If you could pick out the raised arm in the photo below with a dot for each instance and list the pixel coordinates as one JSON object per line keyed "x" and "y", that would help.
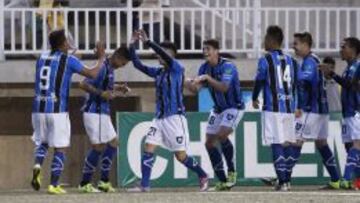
{"x": 325, "y": 68}
{"x": 160, "y": 51}
{"x": 91, "y": 72}
{"x": 88, "y": 86}
{"x": 150, "y": 71}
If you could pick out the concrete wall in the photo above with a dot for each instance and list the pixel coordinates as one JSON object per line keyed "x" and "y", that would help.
{"x": 22, "y": 71}
{"x": 16, "y": 162}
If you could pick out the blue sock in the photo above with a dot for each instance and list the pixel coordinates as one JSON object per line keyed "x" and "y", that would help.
{"x": 217, "y": 163}
{"x": 40, "y": 153}
{"x": 293, "y": 155}
{"x": 351, "y": 162}
{"x": 348, "y": 146}
{"x": 106, "y": 162}
{"x": 146, "y": 166}
{"x": 57, "y": 167}
{"x": 329, "y": 162}
{"x": 279, "y": 162}
{"x": 91, "y": 162}
{"x": 193, "y": 165}
{"x": 289, "y": 160}
{"x": 228, "y": 152}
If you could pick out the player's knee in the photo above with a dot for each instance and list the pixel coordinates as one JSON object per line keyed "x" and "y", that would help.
{"x": 98, "y": 147}
{"x": 224, "y": 133}
{"x": 210, "y": 143}
{"x": 114, "y": 143}
{"x": 180, "y": 156}
{"x": 320, "y": 143}
{"x": 356, "y": 144}
{"x": 62, "y": 150}
{"x": 298, "y": 143}
{"x": 149, "y": 148}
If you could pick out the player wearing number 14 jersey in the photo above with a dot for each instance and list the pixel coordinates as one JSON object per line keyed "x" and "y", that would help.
{"x": 50, "y": 117}
{"x": 277, "y": 77}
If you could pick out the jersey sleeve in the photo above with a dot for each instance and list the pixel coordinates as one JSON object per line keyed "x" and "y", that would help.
{"x": 202, "y": 71}
{"x": 75, "y": 64}
{"x": 261, "y": 69}
{"x": 148, "y": 70}
{"x": 176, "y": 67}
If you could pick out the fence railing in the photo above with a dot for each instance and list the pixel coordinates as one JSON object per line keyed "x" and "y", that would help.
{"x": 25, "y": 30}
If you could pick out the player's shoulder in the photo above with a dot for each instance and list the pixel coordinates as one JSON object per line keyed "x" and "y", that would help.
{"x": 226, "y": 63}
{"x": 313, "y": 58}
{"x": 72, "y": 57}
{"x": 203, "y": 67}
{"x": 178, "y": 64}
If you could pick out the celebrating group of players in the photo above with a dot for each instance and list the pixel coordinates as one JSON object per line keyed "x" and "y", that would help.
{"x": 295, "y": 109}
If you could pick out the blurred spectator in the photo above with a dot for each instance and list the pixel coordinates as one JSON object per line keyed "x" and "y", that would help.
{"x": 52, "y": 22}
{"x": 17, "y": 15}
{"x": 135, "y": 4}
{"x": 332, "y": 88}
{"x": 146, "y": 20}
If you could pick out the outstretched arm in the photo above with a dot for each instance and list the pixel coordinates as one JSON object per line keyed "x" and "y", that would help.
{"x": 150, "y": 71}
{"x": 93, "y": 71}
{"x": 87, "y": 86}
{"x": 325, "y": 68}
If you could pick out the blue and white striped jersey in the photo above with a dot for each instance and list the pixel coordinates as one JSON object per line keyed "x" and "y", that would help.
{"x": 277, "y": 76}
{"x": 168, "y": 82}
{"x": 350, "y": 94}
{"x": 52, "y": 81}
{"x": 312, "y": 86}
{"x": 226, "y": 72}
{"x": 103, "y": 81}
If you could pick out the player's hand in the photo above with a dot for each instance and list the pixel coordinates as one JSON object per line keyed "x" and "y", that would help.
{"x": 188, "y": 82}
{"x": 99, "y": 50}
{"x": 200, "y": 79}
{"x": 256, "y": 104}
{"x": 298, "y": 113}
{"x": 143, "y": 36}
{"x": 135, "y": 36}
{"x": 123, "y": 88}
{"x": 107, "y": 95}
{"x": 325, "y": 69}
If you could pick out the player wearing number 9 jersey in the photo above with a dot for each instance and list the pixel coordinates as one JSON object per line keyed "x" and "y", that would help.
{"x": 277, "y": 77}
{"x": 50, "y": 118}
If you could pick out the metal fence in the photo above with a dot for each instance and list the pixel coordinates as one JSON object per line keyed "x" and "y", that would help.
{"x": 239, "y": 29}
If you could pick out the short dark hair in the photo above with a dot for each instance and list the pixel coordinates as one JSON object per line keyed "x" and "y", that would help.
{"x": 169, "y": 45}
{"x": 304, "y": 37}
{"x": 57, "y": 39}
{"x": 213, "y": 43}
{"x": 275, "y": 33}
{"x": 329, "y": 60}
{"x": 353, "y": 43}
{"x": 122, "y": 51}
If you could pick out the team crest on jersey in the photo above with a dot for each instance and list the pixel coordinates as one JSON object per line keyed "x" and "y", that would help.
{"x": 229, "y": 117}
{"x": 298, "y": 126}
{"x": 179, "y": 140}
{"x": 228, "y": 71}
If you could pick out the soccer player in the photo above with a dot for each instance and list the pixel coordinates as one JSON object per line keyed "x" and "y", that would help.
{"x": 50, "y": 117}
{"x": 97, "y": 121}
{"x": 277, "y": 77}
{"x": 169, "y": 128}
{"x": 221, "y": 77}
{"x": 312, "y": 113}
{"x": 350, "y": 100}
